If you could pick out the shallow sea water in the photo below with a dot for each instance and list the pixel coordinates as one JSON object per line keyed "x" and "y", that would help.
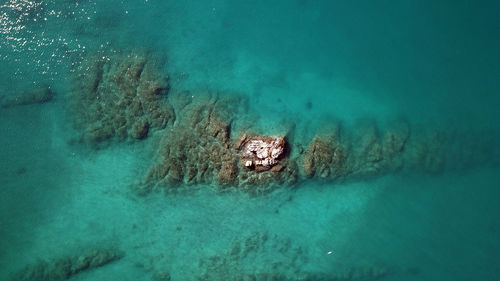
{"x": 301, "y": 62}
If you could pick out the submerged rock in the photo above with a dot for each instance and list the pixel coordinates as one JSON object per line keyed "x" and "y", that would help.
{"x": 140, "y": 129}
{"x": 199, "y": 149}
{"x": 33, "y": 96}
{"x": 120, "y": 96}
{"x": 65, "y": 267}
{"x": 324, "y": 157}
{"x": 124, "y": 96}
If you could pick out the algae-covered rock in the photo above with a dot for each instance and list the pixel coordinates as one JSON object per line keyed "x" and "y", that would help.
{"x": 365, "y": 150}
{"x": 32, "y": 96}
{"x": 140, "y": 129}
{"x": 324, "y": 157}
{"x": 64, "y": 267}
{"x": 120, "y": 96}
{"x": 394, "y": 142}
{"x": 228, "y": 174}
{"x": 197, "y": 148}
{"x": 428, "y": 152}
{"x": 200, "y": 149}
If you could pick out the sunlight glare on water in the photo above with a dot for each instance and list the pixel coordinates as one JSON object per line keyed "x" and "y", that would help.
{"x": 38, "y": 36}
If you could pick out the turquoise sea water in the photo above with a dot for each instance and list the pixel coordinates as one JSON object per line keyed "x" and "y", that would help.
{"x": 435, "y": 64}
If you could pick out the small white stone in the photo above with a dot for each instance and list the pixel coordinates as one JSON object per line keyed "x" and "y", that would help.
{"x": 248, "y": 163}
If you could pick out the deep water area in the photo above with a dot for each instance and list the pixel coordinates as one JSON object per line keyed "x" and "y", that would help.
{"x": 249, "y": 140}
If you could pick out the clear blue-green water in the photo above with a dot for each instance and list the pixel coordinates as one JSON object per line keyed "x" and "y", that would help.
{"x": 436, "y": 63}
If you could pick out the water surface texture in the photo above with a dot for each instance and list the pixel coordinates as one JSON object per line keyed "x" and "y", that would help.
{"x": 249, "y": 140}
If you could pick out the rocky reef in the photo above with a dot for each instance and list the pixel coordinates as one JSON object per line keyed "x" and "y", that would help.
{"x": 324, "y": 157}
{"x": 119, "y": 96}
{"x": 65, "y": 267}
{"x": 289, "y": 260}
{"x": 199, "y": 149}
{"x": 361, "y": 153}
{"x": 208, "y": 137}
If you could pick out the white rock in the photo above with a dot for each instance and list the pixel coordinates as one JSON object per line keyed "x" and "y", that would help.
{"x": 265, "y": 151}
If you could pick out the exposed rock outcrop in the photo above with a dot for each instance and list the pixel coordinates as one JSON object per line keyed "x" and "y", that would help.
{"x": 261, "y": 153}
